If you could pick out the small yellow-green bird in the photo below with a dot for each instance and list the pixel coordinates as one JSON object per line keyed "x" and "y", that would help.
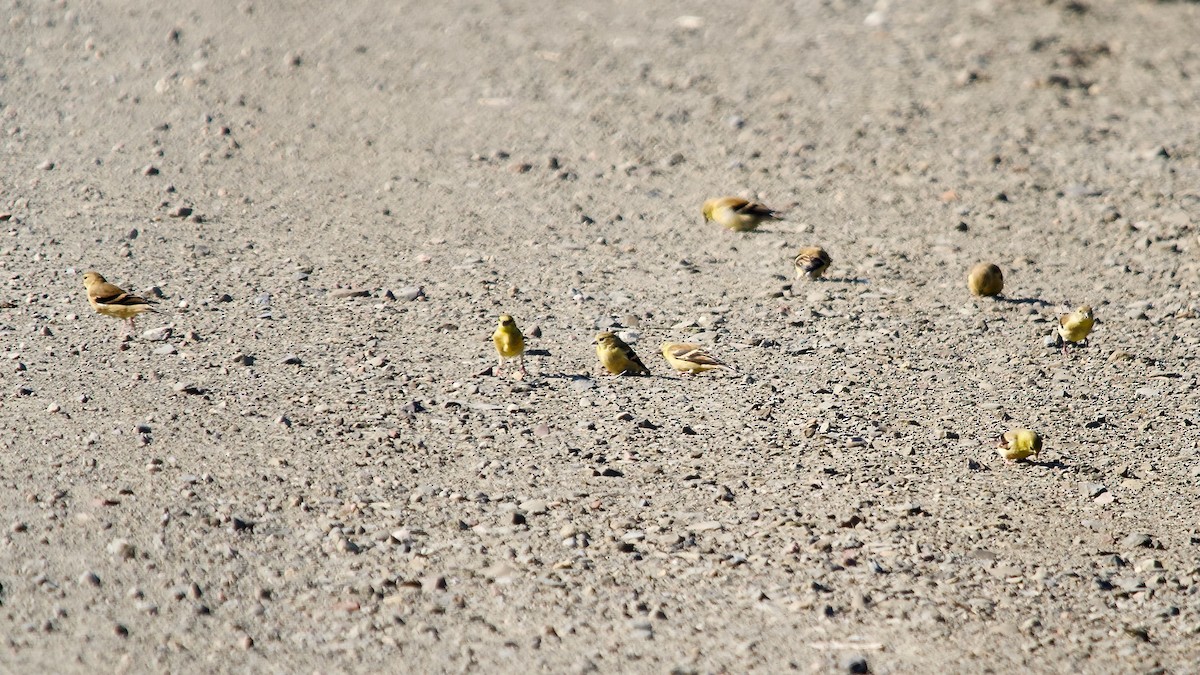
{"x": 690, "y": 358}
{"x": 985, "y": 279}
{"x": 617, "y": 357}
{"x": 738, "y": 214}
{"x": 1019, "y": 444}
{"x": 811, "y": 262}
{"x": 510, "y": 344}
{"x": 1074, "y": 327}
{"x": 110, "y": 300}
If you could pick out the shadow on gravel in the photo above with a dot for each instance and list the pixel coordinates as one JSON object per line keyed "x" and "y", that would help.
{"x": 1024, "y": 301}
{"x": 1052, "y": 464}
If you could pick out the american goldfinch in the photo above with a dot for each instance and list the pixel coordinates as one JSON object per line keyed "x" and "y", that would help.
{"x": 811, "y": 262}
{"x": 1019, "y": 444}
{"x": 737, "y": 214}
{"x": 985, "y": 279}
{"x": 510, "y": 344}
{"x": 1074, "y": 327}
{"x": 690, "y": 358}
{"x": 110, "y": 300}
{"x": 617, "y": 357}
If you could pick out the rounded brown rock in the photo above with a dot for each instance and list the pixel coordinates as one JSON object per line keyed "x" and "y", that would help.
{"x": 985, "y": 279}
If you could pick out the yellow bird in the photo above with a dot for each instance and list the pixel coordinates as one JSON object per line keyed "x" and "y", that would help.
{"x": 110, "y": 300}
{"x": 690, "y": 358}
{"x": 985, "y": 279}
{"x": 510, "y": 343}
{"x": 738, "y": 214}
{"x": 617, "y": 357}
{"x": 811, "y": 262}
{"x": 1075, "y": 327}
{"x": 1020, "y": 444}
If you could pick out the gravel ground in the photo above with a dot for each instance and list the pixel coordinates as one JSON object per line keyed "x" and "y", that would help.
{"x": 296, "y": 466}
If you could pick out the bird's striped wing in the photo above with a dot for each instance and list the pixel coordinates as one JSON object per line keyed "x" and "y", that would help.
{"x": 695, "y": 354}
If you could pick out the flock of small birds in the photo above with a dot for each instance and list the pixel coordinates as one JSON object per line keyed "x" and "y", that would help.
{"x": 618, "y": 358}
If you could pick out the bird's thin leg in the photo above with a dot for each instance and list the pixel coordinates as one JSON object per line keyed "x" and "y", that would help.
{"x": 499, "y": 365}
{"x": 521, "y": 362}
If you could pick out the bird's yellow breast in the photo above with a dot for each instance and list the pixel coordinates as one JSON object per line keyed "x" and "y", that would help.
{"x": 509, "y": 343}
{"x": 1075, "y": 328}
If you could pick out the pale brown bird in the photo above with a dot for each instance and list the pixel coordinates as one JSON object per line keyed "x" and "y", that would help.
{"x": 811, "y": 262}
{"x": 510, "y": 343}
{"x": 110, "y": 300}
{"x": 985, "y": 280}
{"x": 737, "y": 214}
{"x": 1019, "y": 444}
{"x": 1075, "y": 327}
{"x": 617, "y": 357}
{"x": 690, "y": 358}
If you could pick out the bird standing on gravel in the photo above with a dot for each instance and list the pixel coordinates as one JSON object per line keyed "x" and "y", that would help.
{"x": 690, "y": 358}
{"x": 737, "y": 214}
{"x": 110, "y": 300}
{"x": 1074, "y": 327}
{"x": 1019, "y": 444}
{"x": 510, "y": 343}
{"x": 617, "y": 357}
{"x": 811, "y": 262}
{"x": 985, "y": 280}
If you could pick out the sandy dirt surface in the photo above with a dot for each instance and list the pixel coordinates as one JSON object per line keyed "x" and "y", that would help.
{"x": 332, "y": 202}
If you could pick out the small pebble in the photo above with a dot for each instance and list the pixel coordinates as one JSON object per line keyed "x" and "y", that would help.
{"x": 121, "y": 549}
{"x": 410, "y": 293}
{"x": 1136, "y": 540}
{"x": 157, "y": 334}
{"x": 856, "y": 664}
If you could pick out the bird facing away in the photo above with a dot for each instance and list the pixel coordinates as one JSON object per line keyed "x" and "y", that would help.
{"x": 1074, "y": 327}
{"x": 811, "y": 262}
{"x": 985, "y": 280}
{"x": 617, "y": 357}
{"x": 737, "y": 214}
{"x": 510, "y": 344}
{"x": 110, "y": 300}
{"x": 690, "y": 358}
{"x": 1019, "y": 444}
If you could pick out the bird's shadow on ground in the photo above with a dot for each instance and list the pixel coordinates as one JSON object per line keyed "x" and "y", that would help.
{"x": 846, "y": 280}
{"x": 1022, "y": 301}
{"x": 1045, "y": 464}
{"x": 1052, "y": 464}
